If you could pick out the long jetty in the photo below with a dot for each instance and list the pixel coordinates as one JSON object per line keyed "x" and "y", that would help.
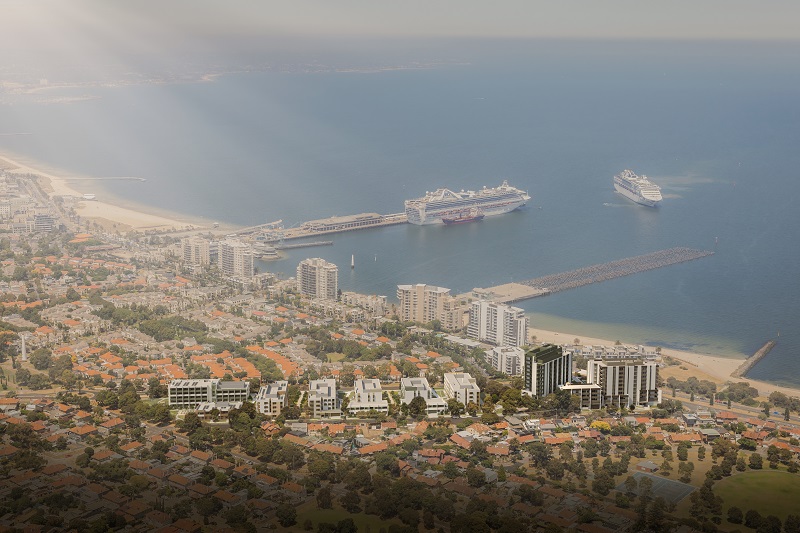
{"x": 523, "y": 290}
{"x": 745, "y": 367}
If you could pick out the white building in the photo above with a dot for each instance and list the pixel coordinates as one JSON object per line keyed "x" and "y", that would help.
{"x": 272, "y": 398}
{"x": 497, "y": 323}
{"x": 410, "y": 388}
{"x": 368, "y": 396}
{"x": 625, "y": 382}
{"x": 589, "y": 395}
{"x": 462, "y": 387}
{"x": 235, "y": 258}
{"x": 318, "y": 278}
{"x": 546, "y": 369}
{"x": 189, "y": 393}
{"x": 425, "y": 303}
{"x": 196, "y": 250}
{"x": 323, "y": 399}
{"x": 506, "y": 359}
{"x": 374, "y": 304}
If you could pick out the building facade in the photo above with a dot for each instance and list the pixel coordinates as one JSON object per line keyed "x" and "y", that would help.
{"x": 410, "y": 388}
{"x": 546, "y": 368}
{"x": 235, "y": 258}
{"x": 625, "y": 382}
{"x": 425, "y": 303}
{"x": 497, "y": 324}
{"x": 323, "y": 398}
{"x": 196, "y": 250}
{"x": 462, "y": 387}
{"x": 318, "y": 278}
{"x": 189, "y": 393}
{"x": 367, "y": 396}
{"x": 272, "y": 398}
{"x": 506, "y": 359}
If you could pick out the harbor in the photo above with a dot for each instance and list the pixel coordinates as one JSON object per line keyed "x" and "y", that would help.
{"x": 542, "y": 286}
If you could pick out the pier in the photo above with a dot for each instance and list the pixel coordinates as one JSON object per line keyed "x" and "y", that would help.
{"x": 745, "y": 367}
{"x": 523, "y": 290}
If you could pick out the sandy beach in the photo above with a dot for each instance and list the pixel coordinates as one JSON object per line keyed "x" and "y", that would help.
{"x": 702, "y": 366}
{"x": 110, "y": 214}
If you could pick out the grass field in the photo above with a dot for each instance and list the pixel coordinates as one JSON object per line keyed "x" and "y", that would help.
{"x": 768, "y": 492}
{"x": 364, "y": 522}
{"x": 335, "y": 357}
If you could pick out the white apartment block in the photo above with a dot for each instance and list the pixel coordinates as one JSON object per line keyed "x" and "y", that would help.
{"x": 367, "y": 396}
{"x": 546, "y": 368}
{"x": 506, "y": 359}
{"x": 189, "y": 393}
{"x": 589, "y": 395}
{"x": 374, "y": 304}
{"x": 625, "y": 382}
{"x": 318, "y": 278}
{"x": 196, "y": 250}
{"x": 498, "y": 324}
{"x": 410, "y": 388}
{"x": 425, "y": 303}
{"x": 323, "y": 399}
{"x": 235, "y": 258}
{"x": 272, "y": 398}
{"x": 462, "y": 387}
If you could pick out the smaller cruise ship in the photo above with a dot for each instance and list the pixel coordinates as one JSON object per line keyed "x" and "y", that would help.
{"x": 637, "y": 188}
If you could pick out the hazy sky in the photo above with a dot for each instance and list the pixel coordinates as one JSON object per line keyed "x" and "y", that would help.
{"x": 681, "y": 19}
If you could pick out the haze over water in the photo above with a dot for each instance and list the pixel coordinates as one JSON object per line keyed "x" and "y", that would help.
{"x": 716, "y": 125}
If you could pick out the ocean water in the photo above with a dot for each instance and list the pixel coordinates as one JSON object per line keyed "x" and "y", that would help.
{"x": 716, "y": 125}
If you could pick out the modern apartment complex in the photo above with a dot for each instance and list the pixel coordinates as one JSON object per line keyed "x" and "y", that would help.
{"x": 546, "y": 368}
{"x": 625, "y": 382}
{"x": 189, "y": 393}
{"x": 196, "y": 250}
{"x": 235, "y": 258}
{"x": 410, "y": 388}
{"x": 462, "y": 387}
{"x": 318, "y": 278}
{"x": 426, "y": 303}
{"x": 323, "y": 399}
{"x": 506, "y": 359}
{"x": 272, "y": 398}
{"x": 368, "y": 396}
{"x": 497, "y": 323}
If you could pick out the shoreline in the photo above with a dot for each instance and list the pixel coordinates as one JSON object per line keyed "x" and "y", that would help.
{"x": 716, "y": 368}
{"x": 109, "y": 214}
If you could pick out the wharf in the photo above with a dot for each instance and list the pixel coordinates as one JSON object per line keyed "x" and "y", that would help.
{"x": 523, "y": 290}
{"x": 302, "y": 245}
{"x": 745, "y": 367}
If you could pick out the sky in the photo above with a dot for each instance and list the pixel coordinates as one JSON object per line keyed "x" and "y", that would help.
{"x": 107, "y": 40}
{"x": 672, "y": 19}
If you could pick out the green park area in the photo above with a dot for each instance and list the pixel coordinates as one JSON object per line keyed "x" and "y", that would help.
{"x": 768, "y": 492}
{"x": 336, "y": 357}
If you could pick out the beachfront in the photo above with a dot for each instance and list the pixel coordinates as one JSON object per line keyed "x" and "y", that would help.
{"x": 105, "y": 213}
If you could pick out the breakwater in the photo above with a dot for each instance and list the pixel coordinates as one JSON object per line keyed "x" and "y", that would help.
{"x": 745, "y": 367}
{"x": 614, "y": 269}
{"x": 542, "y": 286}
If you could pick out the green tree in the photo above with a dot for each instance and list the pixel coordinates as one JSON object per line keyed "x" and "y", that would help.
{"x": 286, "y": 515}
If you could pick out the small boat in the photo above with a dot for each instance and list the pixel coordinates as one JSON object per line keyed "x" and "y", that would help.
{"x": 89, "y": 196}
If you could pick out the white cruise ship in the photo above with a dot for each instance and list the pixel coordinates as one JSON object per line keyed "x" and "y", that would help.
{"x": 637, "y": 188}
{"x": 435, "y": 207}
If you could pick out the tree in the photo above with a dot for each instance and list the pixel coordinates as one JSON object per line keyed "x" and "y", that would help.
{"x": 792, "y": 524}
{"x": 735, "y": 515}
{"x": 455, "y": 407}
{"x": 286, "y": 514}
{"x": 756, "y": 461}
{"x": 752, "y": 519}
{"x": 351, "y": 501}
{"x": 418, "y": 407}
{"x": 324, "y": 500}
{"x": 41, "y": 359}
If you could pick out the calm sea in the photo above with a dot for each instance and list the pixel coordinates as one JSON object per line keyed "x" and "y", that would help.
{"x": 716, "y": 125}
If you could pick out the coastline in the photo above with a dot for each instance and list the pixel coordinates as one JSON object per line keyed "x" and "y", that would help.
{"x": 718, "y": 369}
{"x": 106, "y": 213}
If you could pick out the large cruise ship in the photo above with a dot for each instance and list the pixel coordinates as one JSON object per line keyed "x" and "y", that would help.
{"x": 445, "y": 205}
{"x": 637, "y": 188}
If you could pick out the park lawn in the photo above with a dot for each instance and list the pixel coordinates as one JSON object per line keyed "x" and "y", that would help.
{"x": 334, "y": 357}
{"x": 769, "y": 492}
{"x": 364, "y": 522}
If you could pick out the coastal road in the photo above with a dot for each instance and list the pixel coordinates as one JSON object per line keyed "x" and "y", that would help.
{"x": 794, "y": 419}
